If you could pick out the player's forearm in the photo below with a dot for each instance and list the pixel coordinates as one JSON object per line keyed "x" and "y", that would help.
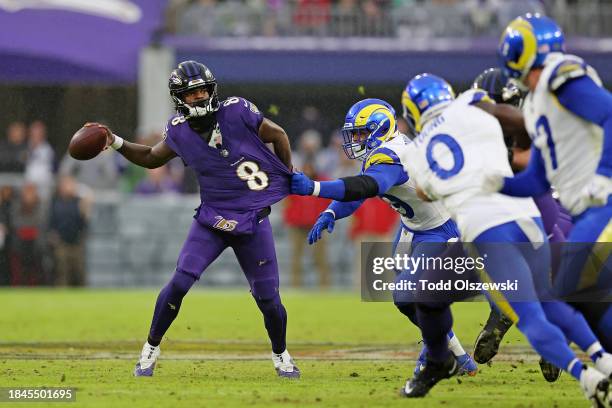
{"x": 270, "y": 132}
{"x": 141, "y": 155}
{"x": 376, "y": 180}
{"x": 344, "y": 209}
{"x": 347, "y": 189}
{"x": 520, "y": 158}
{"x": 282, "y": 149}
{"x": 511, "y": 121}
{"x": 530, "y": 182}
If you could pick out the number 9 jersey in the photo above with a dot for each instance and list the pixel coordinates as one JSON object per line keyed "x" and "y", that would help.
{"x": 237, "y": 173}
{"x": 453, "y": 153}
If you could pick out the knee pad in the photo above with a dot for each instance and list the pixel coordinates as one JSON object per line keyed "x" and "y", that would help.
{"x": 181, "y": 282}
{"x": 265, "y": 289}
{"x": 408, "y": 310}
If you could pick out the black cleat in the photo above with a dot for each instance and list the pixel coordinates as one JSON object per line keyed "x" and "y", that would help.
{"x": 490, "y": 337}
{"x": 550, "y": 372}
{"x": 430, "y": 375}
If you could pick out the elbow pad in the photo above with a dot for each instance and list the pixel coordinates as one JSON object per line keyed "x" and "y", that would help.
{"x": 359, "y": 187}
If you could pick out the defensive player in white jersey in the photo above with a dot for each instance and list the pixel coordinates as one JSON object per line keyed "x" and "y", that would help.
{"x": 370, "y": 134}
{"x": 568, "y": 115}
{"x": 457, "y": 140}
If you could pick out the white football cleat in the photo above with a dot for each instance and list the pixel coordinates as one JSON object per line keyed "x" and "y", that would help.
{"x": 604, "y": 365}
{"x": 596, "y": 387}
{"x": 146, "y": 364}
{"x": 284, "y": 365}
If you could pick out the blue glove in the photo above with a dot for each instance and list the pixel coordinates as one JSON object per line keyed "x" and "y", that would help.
{"x": 301, "y": 184}
{"x": 325, "y": 220}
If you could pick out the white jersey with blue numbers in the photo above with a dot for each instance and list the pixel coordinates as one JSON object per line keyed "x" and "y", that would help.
{"x": 449, "y": 159}
{"x": 416, "y": 214}
{"x": 571, "y": 146}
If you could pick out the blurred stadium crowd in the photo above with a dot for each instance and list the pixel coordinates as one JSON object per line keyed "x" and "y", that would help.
{"x": 47, "y": 198}
{"x": 377, "y": 18}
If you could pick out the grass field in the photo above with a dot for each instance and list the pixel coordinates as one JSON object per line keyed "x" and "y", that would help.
{"x": 217, "y": 354}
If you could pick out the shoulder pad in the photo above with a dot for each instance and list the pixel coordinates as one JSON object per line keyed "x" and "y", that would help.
{"x": 473, "y": 96}
{"x": 175, "y": 120}
{"x": 240, "y": 103}
{"x": 382, "y": 155}
{"x": 564, "y": 71}
{"x": 479, "y": 95}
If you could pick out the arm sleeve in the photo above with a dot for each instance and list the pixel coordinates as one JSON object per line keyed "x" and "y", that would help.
{"x": 377, "y": 179}
{"x": 529, "y": 182}
{"x": 583, "y": 97}
{"x": 344, "y": 209}
{"x": 387, "y": 176}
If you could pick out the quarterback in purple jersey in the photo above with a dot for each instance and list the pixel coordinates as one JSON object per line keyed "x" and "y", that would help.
{"x": 239, "y": 178}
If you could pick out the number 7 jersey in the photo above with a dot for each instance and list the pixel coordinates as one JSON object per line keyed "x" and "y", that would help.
{"x": 571, "y": 146}
{"x": 237, "y": 173}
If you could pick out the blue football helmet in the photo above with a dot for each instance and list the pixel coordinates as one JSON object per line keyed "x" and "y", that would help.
{"x": 367, "y": 125}
{"x": 424, "y": 95}
{"x": 525, "y": 44}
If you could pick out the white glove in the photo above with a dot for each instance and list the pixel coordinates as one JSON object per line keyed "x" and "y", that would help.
{"x": 492, "y": 182}
{"x": 597, "y": 191}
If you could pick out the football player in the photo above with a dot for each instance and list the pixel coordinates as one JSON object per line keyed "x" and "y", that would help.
{"x": 501, "y": 90}
{"x": 568, "y": 115}
{"x": 370, "y": 134}
{"x": 239, "y": 178}
{"x": 447, "y": 162}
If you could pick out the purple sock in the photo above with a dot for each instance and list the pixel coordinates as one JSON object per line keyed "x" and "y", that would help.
{"x": 549, "y": 209}
{"x": 168, "y": 305}
{"x": 275, "y": 320}
{"x": 435, "y": 323}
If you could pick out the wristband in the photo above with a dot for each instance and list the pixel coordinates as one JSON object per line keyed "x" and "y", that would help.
{"x": 332, "y": 212}
{"x": 317, "y": 189}
{"x": 117, "y": 142}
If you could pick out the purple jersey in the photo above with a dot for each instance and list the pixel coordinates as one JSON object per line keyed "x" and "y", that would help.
{"x": 238, "y": 175}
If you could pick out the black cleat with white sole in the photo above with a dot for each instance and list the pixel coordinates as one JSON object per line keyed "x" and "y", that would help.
{"x": 430, "y": 375}
{"x": 550, "y": 371}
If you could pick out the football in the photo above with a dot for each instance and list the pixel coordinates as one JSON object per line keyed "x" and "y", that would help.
{"x": 87, "y": 142}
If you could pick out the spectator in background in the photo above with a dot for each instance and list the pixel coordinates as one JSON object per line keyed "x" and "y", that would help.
{"x": 172, "y": 15}
{"x": 301, "y": 212}
{"x": 311, "y": 16}
{"x": 376, "y": 21}
{"x": 309, "y": 145}
{"x": 39, "y": 166}
{"x": 328, "y": 160}
{"x": 100, "y": 173}
{"x": 374, "y": 221}
{"x": 26, "y": 252}
{"x": 6, "y": 199}
{"x": 200, "y": 18}
{"x": 157, "y": 181}
{"x": 346, "y": 16}
{"x": 132, "y": 174}
{"x": 67, "y": 232}
{"x": 14, "y": 150}
{"x": 508, "y": 10}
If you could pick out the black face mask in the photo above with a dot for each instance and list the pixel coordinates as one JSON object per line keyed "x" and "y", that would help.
{"x": 203, "y": 125}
